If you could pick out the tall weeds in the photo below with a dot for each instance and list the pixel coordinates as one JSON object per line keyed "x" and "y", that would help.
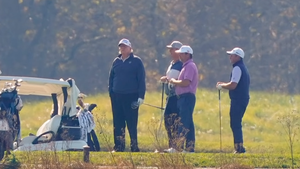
{"x": 290, "y": 123}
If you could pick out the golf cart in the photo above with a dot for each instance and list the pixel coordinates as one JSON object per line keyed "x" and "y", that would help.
{"x": 62, "y": 131}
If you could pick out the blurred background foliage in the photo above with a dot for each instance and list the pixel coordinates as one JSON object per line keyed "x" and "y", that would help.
{"x": 78, "y": 38}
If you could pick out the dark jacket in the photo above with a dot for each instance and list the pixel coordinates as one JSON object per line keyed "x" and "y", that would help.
{"x": 242, "y": 89}
{"x": 127, "y": 77}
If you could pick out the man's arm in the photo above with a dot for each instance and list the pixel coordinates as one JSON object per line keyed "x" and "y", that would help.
{"x": 235, "y": 78}
{"x": 188, "y": 75}
{"x": 110, "y": 80}
{"x": 141, "y": 76}
{"x": 181, "y": 83}
{"x": 228, "y": 86}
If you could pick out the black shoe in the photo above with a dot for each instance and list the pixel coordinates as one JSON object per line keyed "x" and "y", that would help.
{"x": 135, "y": 149}
{"x": 240, "y": 150}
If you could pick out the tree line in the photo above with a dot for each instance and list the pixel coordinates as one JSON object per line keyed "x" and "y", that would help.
{"x": 78, "y": 39}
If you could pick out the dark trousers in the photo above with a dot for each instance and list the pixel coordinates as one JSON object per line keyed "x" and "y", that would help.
{"x": 124, "y": 115}
{"x": 186, "y": 129}
{"x": 93, "y": 142}
{"x": 237, "y": 110}
{"x": 171, "y": 118}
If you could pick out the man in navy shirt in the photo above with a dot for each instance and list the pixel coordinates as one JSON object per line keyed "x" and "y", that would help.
{"x": 171, "y": 111}
{"x": 126, "y": 85}
{"x": 239, "y": 95}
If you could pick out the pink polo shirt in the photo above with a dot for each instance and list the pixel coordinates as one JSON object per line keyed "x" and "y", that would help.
{"x": 189, "y": 71}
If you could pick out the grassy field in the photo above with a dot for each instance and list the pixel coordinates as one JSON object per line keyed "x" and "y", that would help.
{"x": 264, "y": 133}
{"x": 75, "y": 160}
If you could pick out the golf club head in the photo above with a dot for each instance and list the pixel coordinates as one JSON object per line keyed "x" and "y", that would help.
{"x": 91, "y": 107}
{"x": 18, "y": 82}
{"x": 134, "y": 105}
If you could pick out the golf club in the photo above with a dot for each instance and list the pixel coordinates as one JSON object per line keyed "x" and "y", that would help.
{"x": 161, "y": 108}
{"x": 134, "y": 105}
{"x": 162, "y": 104}
{"x": 220, "y": 119}
{"x": 162, "y": 114}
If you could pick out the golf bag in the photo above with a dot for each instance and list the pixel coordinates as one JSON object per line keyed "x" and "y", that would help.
{"x": 10, "y": 105}
{"x": 92, "y": 137}
{"x": 87, "y": 121}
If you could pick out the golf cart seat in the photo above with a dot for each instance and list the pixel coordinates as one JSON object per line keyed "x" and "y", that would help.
{"x": 46, "y": 132}
{"x": 62, "y": 127}
{"x": 69, "y": 129}
{"x": 50, "y": 125}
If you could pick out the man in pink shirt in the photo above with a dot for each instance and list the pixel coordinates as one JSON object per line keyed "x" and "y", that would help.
{"x": 185, "y": 88}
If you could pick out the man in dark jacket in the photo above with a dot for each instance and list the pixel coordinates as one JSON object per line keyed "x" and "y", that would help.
{"x": 239, "y": 95}
{"x": 126, "y": 85}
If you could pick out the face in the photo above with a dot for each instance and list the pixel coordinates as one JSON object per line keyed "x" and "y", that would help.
{"x": 184, "y": 57}
{"x": 175, "y": 56}
{"x": 234, "y": 58}
{"x": 124, "y": 49}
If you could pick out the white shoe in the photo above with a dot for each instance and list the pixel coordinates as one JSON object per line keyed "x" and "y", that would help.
{"x": 156, "y": 151}
{"x": 171, "y": 150}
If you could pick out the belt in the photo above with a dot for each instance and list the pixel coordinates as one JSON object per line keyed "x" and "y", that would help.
{"x": 183, "y": 95}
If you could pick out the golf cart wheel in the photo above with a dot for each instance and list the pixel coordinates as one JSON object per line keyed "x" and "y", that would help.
{"x": 2, "y": 149}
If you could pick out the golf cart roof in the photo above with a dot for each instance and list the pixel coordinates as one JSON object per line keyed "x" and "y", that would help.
{"x": 36, "y": 86}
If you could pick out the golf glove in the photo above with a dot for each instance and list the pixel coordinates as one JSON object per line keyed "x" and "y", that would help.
{"x": 219, "y": 87}
{"x": 140, "y": 101}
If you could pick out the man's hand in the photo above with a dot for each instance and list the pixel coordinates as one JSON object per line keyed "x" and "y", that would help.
{"x": 219, "y": 85}
{"x": 140, "y": 101}
{"x": 172, "y": 81}
{"x": 164, "y": 79}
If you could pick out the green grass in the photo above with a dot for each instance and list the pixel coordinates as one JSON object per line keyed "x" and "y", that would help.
{"x": 264, "y": 136}
{"x": 62, "y": 159}
{"x": 260, "y": 124}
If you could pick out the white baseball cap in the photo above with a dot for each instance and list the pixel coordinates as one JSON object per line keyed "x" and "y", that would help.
{"x": 236, "y": 51}
{"x": 185, "y": 49}
{"x": 125, "y": 42}
{"x": 175, "y": 44}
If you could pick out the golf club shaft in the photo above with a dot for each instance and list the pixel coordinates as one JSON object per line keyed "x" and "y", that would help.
{"x": 220, "y": 119}
{"x": 161, "y": 108}
{"x": 162, "y": 94}
{"x": 162, "y": 104}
